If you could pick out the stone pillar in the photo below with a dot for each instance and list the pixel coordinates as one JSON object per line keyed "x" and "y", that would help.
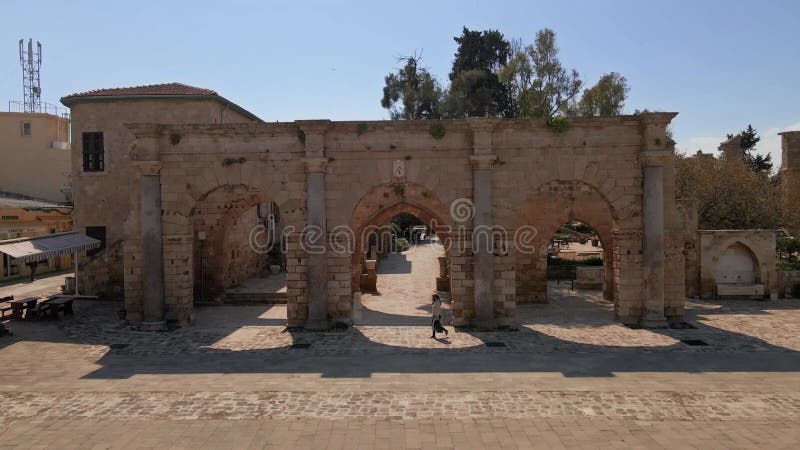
{"x": 315, "y": 237}
{"x": 153, "y": 299}
{"x": 482, "y": 241}
{"x": 790, "y": 178}
{"x": 653, "y": 238}
{"x": 482, "y": 162}
{"x": 316, "y": 242}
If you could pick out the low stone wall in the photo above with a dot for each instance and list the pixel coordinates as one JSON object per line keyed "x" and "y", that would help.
{"x": 589, "y": 277}
{"x": 789, "y": 284}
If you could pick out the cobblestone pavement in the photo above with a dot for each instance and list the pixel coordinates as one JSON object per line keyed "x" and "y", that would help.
{"x": 394, "y": 434}
{"x": 569, "y": 377}
{"x": 404, "y": 406}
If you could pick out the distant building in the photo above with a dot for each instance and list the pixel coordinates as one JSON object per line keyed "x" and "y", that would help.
{"x": 35, "y": 155}
{"x": 22, "y": 217}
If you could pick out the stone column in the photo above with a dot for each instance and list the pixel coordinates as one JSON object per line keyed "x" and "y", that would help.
{"x": 653, "y": 237}
{"x": 482, "y": 240}
{"x": 482, "y": 162}
{"x": 153, "y": 299}
{"x": 315, "y": 237}
{"x": 316, "y": 242}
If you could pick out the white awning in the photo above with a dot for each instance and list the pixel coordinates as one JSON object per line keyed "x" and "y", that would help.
{"x": 41, "y": 248}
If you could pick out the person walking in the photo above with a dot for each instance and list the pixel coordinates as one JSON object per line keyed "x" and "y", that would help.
{"x": 437, "y": 326}
{"x": 436, "y": 312}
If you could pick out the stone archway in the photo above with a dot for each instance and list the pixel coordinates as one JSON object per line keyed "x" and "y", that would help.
{"x": 385, "y": 201}
{"x": 551, "y": 206}
{"x": 224, "y": 217}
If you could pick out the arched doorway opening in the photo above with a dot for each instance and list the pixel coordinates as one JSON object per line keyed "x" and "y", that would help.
{"x": 399, "y": 271}
{"x": 576, "y": 265}
{"x": 400, "y": 257}
{"x": 238, "y": 256}
{"x": 564, "y": 213}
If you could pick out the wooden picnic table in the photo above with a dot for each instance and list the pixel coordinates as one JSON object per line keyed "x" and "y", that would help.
{"x": 53, "y": 305}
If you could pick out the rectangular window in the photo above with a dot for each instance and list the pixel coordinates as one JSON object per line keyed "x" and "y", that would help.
{"x": 26, "y": 128}
{"x": 98, "y": 233}
{"x": 93, "y": 152}
{"x": 9, "y": 217}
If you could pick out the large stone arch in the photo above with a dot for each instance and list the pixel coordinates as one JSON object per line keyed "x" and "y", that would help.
{"x": 381, "y": 203}
{"x": 226, "y": 259}
{"x": 548, "y": 208}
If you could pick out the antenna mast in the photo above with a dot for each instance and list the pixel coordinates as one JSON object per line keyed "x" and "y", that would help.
{"x": 31, "y": 60}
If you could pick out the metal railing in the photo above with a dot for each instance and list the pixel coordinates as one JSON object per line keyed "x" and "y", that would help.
{"x": 44, "y": 108}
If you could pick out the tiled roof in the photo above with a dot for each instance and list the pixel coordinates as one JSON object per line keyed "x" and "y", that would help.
{"x": 153, "y": 89}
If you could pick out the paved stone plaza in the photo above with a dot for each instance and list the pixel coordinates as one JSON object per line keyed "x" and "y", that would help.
{"x": 569, "y": 377}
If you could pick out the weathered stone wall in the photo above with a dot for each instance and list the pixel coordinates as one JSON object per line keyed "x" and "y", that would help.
{"x": 790, "y": 178}
{"x": 687, "y": 209}
{"x": 110, "y": 197}
{"x": 761, "y": 245}
{"x": 788, "y": 283}
{"x": 212, "y": 175}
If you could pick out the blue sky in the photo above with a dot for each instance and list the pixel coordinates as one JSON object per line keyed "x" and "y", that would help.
{"x": 720, "y": 64}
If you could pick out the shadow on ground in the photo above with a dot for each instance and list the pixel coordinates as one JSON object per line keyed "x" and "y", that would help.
{"x": 400, "y": 344}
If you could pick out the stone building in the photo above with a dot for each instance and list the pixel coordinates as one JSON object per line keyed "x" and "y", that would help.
{"x": 181, "y": 168}
{"x": 34, "y": 150}
{"x": 104, "y": 177}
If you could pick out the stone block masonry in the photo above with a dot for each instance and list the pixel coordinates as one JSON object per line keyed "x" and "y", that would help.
{"x": 335, "y": 182}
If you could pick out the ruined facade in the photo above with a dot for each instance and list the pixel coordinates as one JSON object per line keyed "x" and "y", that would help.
{"x": 178, "y": 180}
{"x": 790, "y": 177}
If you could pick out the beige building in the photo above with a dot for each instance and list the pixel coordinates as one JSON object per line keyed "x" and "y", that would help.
{"x": 171, "y": 173}
{"x": 103, "y": 174}
{"x": 35, "y": 155}
{"x": 23, "y": 217}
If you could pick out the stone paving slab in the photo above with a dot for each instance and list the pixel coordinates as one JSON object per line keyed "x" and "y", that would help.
{"x": 770, "y": 328}
{"x": 659, "y": 405}
{"x": 568, "y": 377}
{"x": 588, "y": 433}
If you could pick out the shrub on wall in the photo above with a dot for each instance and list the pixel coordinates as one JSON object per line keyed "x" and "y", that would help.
{"x": 558, "y": 124}
{"x": 437, "y": 131}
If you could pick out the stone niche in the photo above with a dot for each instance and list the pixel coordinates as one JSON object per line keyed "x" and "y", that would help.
{"x": 737, "y": 263}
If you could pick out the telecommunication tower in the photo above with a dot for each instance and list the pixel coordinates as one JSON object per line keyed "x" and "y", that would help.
{"x": 31, "y": 59}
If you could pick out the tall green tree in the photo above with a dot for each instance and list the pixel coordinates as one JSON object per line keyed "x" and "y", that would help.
{"x": 540, "y": 86}
{"x": 756, "y": 163}
{"x": 475, "y": 89}
{"x": 606, "y": 98}
{"x": 412, "y": 92}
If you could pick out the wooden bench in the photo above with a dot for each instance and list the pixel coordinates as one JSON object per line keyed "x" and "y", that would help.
{"x": 24, "y": 304}
{"x": 53, "y": 305}
{"x": 6, "y": 308}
